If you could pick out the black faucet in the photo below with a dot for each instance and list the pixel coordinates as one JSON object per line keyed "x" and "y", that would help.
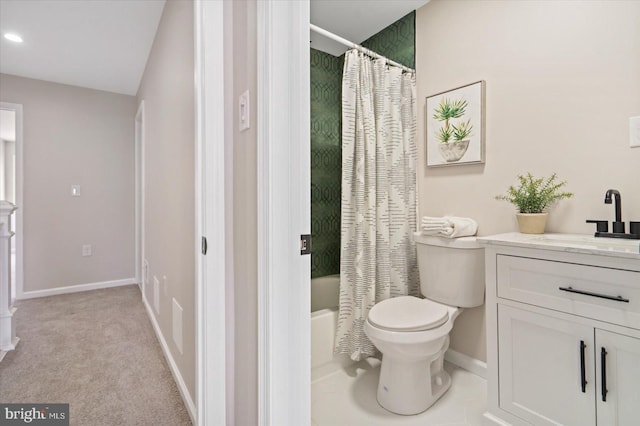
{"x": 602, "y": 226}
{"x": 607, "y": 200}
{"x": 618, "y": 225}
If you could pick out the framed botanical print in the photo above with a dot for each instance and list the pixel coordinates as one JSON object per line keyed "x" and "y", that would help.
{"x": 455, "y": 126}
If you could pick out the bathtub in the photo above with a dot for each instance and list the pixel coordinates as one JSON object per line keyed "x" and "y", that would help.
{"x": 325, "y": 293}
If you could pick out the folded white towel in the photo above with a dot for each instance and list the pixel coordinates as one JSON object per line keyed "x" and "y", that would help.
{"x": 440, "y": 221}
{"x": 449, "y": 226}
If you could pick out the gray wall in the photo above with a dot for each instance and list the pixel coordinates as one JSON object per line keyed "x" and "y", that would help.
{"x": 563, "y": 78}
{"x": 245, "y": 207}
{"x": 167, "y": 89}
{"x": 75, "y": 136}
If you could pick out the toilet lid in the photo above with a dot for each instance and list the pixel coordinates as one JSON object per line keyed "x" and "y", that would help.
{"x": 408, "y": 313}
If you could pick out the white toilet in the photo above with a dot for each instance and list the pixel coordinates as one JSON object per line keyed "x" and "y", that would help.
{"x": 413, "y": 333}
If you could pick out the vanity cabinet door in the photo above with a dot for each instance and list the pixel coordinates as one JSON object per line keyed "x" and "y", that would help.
{"x": 546, "y": 368}
{"x": 618, "y": 379}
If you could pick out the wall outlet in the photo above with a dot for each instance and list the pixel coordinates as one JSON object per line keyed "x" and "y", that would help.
{"x": 87, "y": 250}
{"x": 156, "y": 294}
{"x": 75, "y": 190}
{"x": 634, "y": 132}
{"x": 177, "y": 324}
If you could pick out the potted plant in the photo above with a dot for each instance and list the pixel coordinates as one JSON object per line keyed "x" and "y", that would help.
{"x": 453, "y": 137}
{"x": 532, "y": 197}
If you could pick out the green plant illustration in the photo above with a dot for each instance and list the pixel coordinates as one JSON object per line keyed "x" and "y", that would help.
{"x": 446, "y": 111}
{"x": 534, "y": 195}
{"x": 444, "y": 134}
{"x": 462, "y": 130}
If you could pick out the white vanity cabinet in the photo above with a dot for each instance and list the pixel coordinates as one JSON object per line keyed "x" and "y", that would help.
{"x": 563, "y": 330}
{"x": 620, "y": 405}
{"x": 541, "y": 366}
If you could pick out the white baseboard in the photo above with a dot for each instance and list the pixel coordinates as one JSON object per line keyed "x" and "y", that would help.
{"x": 74, "y": 288}
{"x": 491, "y": 420}
{"x": 475, "y": 366}
{"x": 182, "y": 387}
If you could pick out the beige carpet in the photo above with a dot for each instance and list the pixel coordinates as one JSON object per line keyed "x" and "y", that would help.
{"x": 97, "y": 351}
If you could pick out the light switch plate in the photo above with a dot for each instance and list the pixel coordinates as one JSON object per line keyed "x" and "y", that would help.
{"x": 75, "y": 190}
{"x": 634, "y": 132}
{"x": 244, "y": 108}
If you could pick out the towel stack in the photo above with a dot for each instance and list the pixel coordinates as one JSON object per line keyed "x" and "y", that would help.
{"x": 449, "y": 226}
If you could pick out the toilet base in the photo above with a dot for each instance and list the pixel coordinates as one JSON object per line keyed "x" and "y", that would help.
{"x": 411, "y": 387}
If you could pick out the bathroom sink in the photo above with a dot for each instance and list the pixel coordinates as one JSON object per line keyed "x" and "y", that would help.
{"x": 588, "y": 240}
{"x": 570, "y": 243}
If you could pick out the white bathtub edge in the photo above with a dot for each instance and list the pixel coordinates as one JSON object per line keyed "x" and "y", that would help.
{"x": 323, "y": 333}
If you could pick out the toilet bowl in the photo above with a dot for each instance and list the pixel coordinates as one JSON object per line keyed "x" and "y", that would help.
{"x": 413, "y": 333}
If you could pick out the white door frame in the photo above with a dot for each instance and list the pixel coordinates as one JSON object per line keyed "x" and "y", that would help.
{"x": 19, "y": 214}
{"x": 212, "y": 175}
{"x": 141, "y": 276}
{"x": 283, "y": 213}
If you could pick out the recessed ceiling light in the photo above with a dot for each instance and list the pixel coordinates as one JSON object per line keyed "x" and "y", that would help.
{"x": 13, "y": 37}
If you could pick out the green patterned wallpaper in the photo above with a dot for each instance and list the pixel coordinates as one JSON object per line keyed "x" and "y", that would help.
{"x": 396, "y": 42}
{"x": 326, "y": 162}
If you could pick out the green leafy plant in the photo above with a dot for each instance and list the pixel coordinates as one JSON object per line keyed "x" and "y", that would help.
{"x": 446, "y": 111}
{"x": 450, "y": 109}
{"x": 462, "y": 130}
{"x": 534, "y": 195}
{"x": 444, "y": 134}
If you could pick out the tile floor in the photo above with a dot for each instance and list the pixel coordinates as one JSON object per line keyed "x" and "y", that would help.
{"x": 348, "y": 398}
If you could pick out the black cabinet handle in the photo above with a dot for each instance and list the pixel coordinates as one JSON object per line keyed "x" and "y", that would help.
{"x": 603, "y": 373}
{"x": 600, "y": 295}
{"x": 583, "y": 380}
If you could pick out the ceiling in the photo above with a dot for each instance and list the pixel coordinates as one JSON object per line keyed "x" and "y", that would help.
{"x": 355, "y": 20}
{"x": 99, "y": 44}
{"x": 104, "y": 44}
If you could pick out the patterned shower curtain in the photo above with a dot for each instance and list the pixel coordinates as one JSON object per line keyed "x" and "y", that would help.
{"x": 378, "y": 256}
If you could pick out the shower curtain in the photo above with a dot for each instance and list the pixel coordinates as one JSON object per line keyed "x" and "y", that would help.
{"x": 378, "y": 256}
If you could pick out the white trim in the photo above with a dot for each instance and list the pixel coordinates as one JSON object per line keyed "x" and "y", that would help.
{"x": 19, "y": 214}
{"x": 491, "y": 419}
{"x": 229, "y": 129}
{"x": 284, "y": 314}
{"x": 472, "y": 365}
{"x": 139, "y": 194}
{"x": 76, "y": 288}
{"x": 175, "y": 372}
{"x": 211, "y": 176}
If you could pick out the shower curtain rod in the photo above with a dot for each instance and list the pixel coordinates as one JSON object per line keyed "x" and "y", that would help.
{"x": 362, "y": 49}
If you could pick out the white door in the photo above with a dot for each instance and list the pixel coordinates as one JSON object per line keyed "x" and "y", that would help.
{"x": 618, "y": 379}
{"x": 546, "y": 368}
{"x": 284, "y": 204}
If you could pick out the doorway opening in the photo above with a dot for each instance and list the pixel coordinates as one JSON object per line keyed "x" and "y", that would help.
{"x": 11, "y": 161}
{"x": 141, "y": 265}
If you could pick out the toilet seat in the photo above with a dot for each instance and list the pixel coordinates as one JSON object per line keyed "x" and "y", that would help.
{"x": 408, "y": 313}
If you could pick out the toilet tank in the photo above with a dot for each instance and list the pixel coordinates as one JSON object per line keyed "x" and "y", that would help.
{"x": 451, "y": 270}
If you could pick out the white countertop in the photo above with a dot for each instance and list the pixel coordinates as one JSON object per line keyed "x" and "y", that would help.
{"x": 573, "y": 243}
